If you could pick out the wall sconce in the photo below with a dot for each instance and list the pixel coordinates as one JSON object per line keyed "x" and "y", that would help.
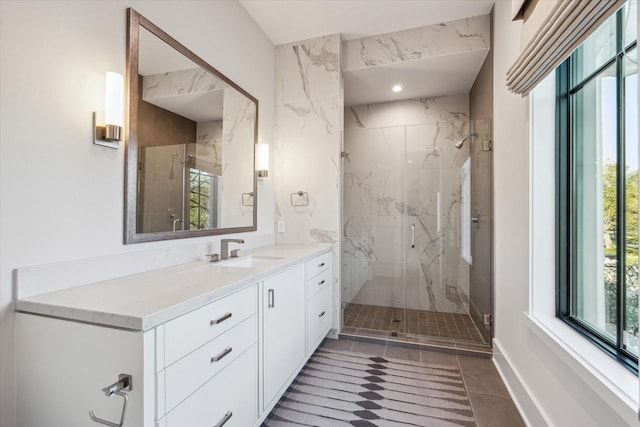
{"x": 262, "y": 160}
{"x": 111, "y": 133}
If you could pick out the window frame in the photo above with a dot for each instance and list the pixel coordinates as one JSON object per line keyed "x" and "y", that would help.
{"x": 565, "y": 184}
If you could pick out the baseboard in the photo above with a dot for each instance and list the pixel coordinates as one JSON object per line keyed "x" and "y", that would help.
{"x": 530, "y": 411}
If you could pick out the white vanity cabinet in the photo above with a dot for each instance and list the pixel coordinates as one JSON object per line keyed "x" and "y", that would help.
{"x": 218, "y": 357}
{"x": 318, "y": 300}
{"x": 62, "y": 367}
{"x": 203, "y": 361}
{"x": 284, "y": 330}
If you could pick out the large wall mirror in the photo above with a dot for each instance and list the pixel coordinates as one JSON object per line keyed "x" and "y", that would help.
{"x": 191, "y": 143}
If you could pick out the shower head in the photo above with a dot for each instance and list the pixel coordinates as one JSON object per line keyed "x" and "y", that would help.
{"x": 460, "y": 143}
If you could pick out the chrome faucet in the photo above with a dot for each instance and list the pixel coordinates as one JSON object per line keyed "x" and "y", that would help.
{"x": 174, "y": 222}
{"x": 224, "y": 247}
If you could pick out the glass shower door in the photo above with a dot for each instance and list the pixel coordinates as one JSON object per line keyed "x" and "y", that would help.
{"x": 480, "y": 274}
{"x": 374, "y": 241}
{"x": 437, "y": 172}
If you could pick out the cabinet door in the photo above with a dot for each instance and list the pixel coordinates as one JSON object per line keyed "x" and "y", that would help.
{"x": 284, "y": 329}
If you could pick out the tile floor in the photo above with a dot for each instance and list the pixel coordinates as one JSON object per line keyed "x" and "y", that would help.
{"x": 453, "y": 326}
{"x": 492, "y": 406}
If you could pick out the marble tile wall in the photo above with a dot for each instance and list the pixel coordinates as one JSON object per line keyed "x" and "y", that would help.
{"x": 307, "y": 146}
{"x": 182, "y": 82}
{"x": 418, "y": 43}
{"x": 237, "y": 147}
{"x": 402, "y": 170}
{"x": 208, "y": 147}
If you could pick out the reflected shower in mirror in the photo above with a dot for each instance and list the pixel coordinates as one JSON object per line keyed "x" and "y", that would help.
{"x": 192, "y": 134}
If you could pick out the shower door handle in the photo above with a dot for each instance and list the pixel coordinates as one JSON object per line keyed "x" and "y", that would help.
{"x": 413, "y": 235}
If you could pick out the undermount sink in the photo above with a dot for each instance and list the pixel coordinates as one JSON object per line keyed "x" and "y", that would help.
{"x": 250, "y": 261}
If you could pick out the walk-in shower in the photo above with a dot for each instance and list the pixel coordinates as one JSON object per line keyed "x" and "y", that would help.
{"x": 417, "y": 232}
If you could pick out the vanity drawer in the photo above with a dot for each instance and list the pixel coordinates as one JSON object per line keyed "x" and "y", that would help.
{"x": 318, "y": 318}
{"x": 318, "y": 283}
{"x": 188, "y": 332}
{"x": 233, "y": 391}
{"x": 318, "y": 265}
{"x": 190, "y": 372}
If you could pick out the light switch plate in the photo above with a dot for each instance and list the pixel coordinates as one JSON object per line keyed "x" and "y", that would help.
{"x": 281, "y": 227}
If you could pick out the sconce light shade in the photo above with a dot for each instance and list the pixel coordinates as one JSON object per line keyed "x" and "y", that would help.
{"x": 262, "y": 160}
{"x": 110, "y": 134}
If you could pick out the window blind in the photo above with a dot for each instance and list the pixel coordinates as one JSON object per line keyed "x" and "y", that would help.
{"x": 552, "y": 29}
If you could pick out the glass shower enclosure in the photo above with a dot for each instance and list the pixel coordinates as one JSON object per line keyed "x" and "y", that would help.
{"x": 417, "y": 232}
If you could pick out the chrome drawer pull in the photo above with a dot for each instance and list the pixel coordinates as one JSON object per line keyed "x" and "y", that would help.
{"x": 224, "y": 419}
{"x": 321, "y": 282}
{"x": 222, "y": 354}
{"x": 321, "y": 314}
{"x": 221, "y": 319}
{"x": 321, "y": 265}
{"x": 271, "y": 298}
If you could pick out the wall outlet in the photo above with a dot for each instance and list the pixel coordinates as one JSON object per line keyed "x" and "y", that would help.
{"x": 281, "y": 227}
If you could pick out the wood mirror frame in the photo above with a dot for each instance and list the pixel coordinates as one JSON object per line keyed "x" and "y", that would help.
{"x": 132, "y": 161}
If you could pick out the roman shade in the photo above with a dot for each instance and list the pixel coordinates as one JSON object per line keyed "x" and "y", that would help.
{"x": 552, "y": 29}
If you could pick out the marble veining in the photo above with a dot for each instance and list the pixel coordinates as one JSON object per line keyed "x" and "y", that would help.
{"x": 402, "y": 169}
{"x": 237, "y": 146}
{"x": 309, "y": 109}
{"x": 449, "y": 38}
{"x": 408, "y": 112}
{"x": 182, "y": 82}
{"x": 208, "y": 156}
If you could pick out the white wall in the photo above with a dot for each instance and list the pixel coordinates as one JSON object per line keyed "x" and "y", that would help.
{"x": 547, "y": 384}
{"x": 61, "y": 196}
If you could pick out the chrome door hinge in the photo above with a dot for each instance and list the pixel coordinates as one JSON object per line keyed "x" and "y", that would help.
{"x": 486, "y": 318}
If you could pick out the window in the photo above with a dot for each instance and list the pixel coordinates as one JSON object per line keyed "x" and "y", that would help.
{"x": 202, "y": 198}
{"x": 597, "y": 189}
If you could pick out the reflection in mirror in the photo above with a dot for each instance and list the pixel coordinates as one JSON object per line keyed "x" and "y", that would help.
{"x": 192, "y": 134}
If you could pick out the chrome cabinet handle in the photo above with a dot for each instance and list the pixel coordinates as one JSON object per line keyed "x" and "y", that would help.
{"x": 321, "y": 282}
{"x": 224, "y": 419}
{"x": 271, "y": 298}
{"x": 221, "y": 355}
{"x": 119, "y": 387}
{"x": 221, "y": 319}
{"x": 321, "y": 314}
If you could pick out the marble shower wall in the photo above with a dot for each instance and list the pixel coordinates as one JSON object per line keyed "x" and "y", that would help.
{"x": 238, "y": 119}
{"x": 447, "y": 38}
{"x": 308, "y": 141}
{"x": 401, "y": 160}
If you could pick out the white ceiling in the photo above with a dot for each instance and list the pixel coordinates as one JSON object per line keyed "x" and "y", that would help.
{"x": 439, "y": 76}
{"x": 287, "y": 21}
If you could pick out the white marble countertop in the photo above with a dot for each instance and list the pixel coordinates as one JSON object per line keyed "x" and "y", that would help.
{"x": 143, "y": 301}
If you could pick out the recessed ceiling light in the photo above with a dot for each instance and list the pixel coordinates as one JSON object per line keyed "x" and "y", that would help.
{"x": 397, "y": 88}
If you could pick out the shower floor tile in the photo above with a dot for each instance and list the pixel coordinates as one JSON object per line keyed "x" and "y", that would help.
{"x": 452, "y": 326}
